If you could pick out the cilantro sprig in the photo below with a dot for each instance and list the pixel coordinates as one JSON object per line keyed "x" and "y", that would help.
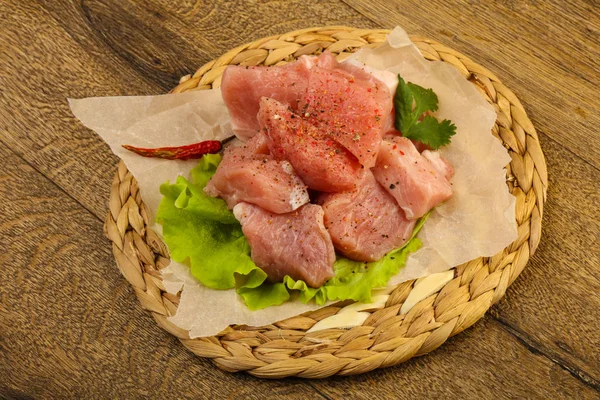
{"x": 411, "y": 102}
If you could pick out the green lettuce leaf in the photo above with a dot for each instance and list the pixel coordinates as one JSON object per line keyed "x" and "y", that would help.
{"x": 203, "y": 233}
{"x": 201, "y": 230}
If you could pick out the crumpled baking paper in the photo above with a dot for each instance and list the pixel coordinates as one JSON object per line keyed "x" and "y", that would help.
{"x": 155, "y": 121}
{"x": 478, "y": 221}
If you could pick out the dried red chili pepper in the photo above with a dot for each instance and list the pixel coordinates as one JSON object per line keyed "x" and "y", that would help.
{"x": 195, "y": 150}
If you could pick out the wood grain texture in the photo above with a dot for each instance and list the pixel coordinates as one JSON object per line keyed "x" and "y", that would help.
{"x": 130, "y": 34}
{"x": 554, "y": 306}
{"x": 92, "y": 339}
{"x": 464, "y": 368}
{"x": 41, "y": 67}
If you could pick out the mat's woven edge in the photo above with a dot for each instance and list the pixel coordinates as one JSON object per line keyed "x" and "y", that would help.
{"x": 386, "y": 337}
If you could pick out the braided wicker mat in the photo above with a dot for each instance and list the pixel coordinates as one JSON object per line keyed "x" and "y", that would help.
{"x": 387, "y": 337}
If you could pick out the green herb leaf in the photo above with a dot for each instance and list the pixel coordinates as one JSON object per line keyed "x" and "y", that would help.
{"x": 411, "y": 102}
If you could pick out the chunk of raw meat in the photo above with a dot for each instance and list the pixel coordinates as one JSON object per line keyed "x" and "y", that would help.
{"x": 365, "y": 223}
{"x": 353, "y": 106}
{"x": 377, "y": 77}
{"x": 321, "y": 163}
{"x": 248, "y": 173}
{"x": 356, "y": 67}
{"x": 443, "y": 166}
{"x": 242, "y": 88}
{"x": 416, "y": 183}
{"x": 420, "y": 146}
{"x": 353, "y": 110}
{"x": 295, "y": 244}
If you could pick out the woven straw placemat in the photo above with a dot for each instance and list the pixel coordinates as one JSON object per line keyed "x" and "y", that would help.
{"x": 387, "y": 336}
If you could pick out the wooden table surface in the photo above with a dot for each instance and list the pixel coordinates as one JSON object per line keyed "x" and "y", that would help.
{"x": 71, "y": 326}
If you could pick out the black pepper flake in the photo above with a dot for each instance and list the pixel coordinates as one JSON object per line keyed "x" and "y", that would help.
{"x": 392, "y": 186}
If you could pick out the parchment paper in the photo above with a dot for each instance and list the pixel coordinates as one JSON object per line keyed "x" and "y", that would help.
{"x": 478, "y": 221}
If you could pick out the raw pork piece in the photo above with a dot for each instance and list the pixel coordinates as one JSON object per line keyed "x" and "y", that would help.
{"x": 420, "y": 146}
{"x": 295, "y": 244}
{"x": 321, "y": 163}
{"x": 354, "y": 106}
{"x": 242, "y": 88}
{"x": 365, "y": 223}
{"x": 443, "y": 166}
{"x": 356, "y": 67}
{"x": 416, "y": 183}
{"x": 248, "y": 173}
{"x": 350, "y": 108}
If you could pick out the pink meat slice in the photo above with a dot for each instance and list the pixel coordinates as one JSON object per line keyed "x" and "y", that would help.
{"x": 420, "y": 146}
{"x": 248, "y": 173}
{"x": 345, "y": 101}
{"x": 295, "y": 244}
{"x": 365, "y": 223}
{"x": 441, "y": 165}
{"x": 412, "y": 179}
{"x": 350, "y": 108}
{"x": 377, "y": 77}
{"x": 322, "y": 163}
{"x": 242, "y": 88}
